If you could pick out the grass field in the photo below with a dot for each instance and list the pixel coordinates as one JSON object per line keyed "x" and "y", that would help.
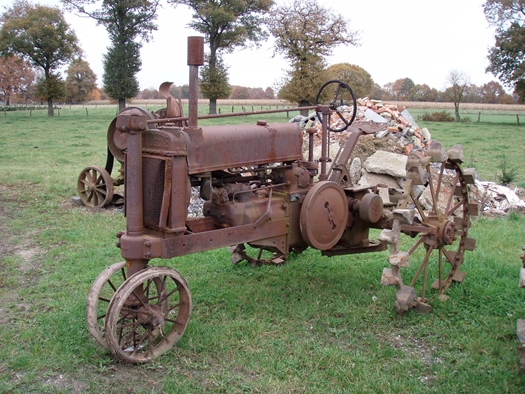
{"x": 312, "y": 325}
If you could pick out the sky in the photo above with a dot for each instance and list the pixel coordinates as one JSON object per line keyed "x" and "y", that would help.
{"x": 418, "y": 39}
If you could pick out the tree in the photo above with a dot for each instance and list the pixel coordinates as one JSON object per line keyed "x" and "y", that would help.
{"x": 126, "y": 21}
{"x": 226, "y": 25}
{"x": 80, "y": 81}
{"x": 507, "y": 57}
{"x": 240, "y": 93}
{"x": 214, "y": 81}
{"x": 305, "y": 33}
{"x": 52, "y": 86}
{"x": 424, "y": 93}
{"x": 459, "y": 83}
{"x": 40, "y": 35}
{"x": 356, "y": 77}
{"x": 402, "y": 89}
{"x": 493, "y": 93}
{"x": 16, "y": 76}
{"x": 121, "y": 63}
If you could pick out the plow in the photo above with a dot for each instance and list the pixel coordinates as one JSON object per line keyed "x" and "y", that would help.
{"x": 263, "y": 200}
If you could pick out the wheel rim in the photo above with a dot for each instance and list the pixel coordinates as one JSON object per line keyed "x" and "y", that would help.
{"x": 99, "y": 296}
{"x": 261, "y": 256}
{"x": 142, "y": 327}
{"x": 441, "y": 229}
{"x": 95, "y": 187}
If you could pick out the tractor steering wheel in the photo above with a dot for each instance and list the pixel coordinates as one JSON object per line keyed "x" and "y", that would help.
{"x": 337, "y": 94}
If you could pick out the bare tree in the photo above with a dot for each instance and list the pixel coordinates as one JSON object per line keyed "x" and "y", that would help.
{"x": 458, "y": 83}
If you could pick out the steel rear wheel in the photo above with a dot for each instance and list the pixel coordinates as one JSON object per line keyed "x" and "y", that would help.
{"x": 99, "y": 297}
{"x": 148, "y": 314}
{"x": 440, "y": 229}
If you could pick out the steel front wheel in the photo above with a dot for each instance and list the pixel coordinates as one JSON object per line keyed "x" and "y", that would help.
{"x": 148, "y": 314}
{"x": 95, "y": 187}
{"x": 99, "y": 297}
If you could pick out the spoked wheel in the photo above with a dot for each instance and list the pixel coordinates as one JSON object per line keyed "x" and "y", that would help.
{"x": 95, "y": 187}
{"x": 148, "y": 314}
{"x": 99, "y": 297}
{"x": 441, "y": 224}
{"x": 341, "y": 99}
{"x": 260, "y": 256}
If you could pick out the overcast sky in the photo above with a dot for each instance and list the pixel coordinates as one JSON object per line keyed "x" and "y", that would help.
{"x": 418, "y": 39}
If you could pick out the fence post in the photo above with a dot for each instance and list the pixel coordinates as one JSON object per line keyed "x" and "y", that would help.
{"x": 518, "y": 118}
{"x": 87, "y": 114}
{"x": 479, "y": 116}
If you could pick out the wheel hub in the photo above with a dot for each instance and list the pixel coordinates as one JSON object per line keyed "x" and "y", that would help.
{"x": 448, "y": 233}
{"x": 150, "y": 316}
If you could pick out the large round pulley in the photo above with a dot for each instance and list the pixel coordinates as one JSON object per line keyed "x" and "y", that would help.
{"x": 148, "y": 314}
{"x": 324, "y": 215}
{"x": 117, "y": 140}
{"x": 95, "y": 187}
{"x": 341, "y": 100}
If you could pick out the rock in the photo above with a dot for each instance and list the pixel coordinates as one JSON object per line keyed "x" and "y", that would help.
{"x": 371, "y": 179}
{"x": 388, "y": 163}
{"x": 355, "y": 171}
{"x": 426, "y": 134}
{"x": 76, "y": 201}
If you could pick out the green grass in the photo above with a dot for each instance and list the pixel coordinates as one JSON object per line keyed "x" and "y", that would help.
{"x": 314, "y": 324}
{"x": 487, "y": 144}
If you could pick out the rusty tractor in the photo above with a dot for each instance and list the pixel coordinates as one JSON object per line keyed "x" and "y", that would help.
{"x": 262, "y": 196}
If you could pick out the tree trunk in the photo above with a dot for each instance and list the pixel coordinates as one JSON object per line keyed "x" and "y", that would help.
{"x": 456, "y": 112}
{"x": 121, "y": 104}
{"x": 50, "y": 109}
{"x": 213, "y": 107}
{"x": 304, "y": 103}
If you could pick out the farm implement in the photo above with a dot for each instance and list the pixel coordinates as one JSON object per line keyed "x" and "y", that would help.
{"x": 263, "y": 200}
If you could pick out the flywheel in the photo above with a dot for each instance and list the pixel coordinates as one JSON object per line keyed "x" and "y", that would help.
{"x": 324, "y": 215}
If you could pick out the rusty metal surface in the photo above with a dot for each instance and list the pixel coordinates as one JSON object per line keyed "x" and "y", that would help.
{"x": 218, "y": 147}
{"x": 259, "y": 191}
{"x": 325, "y": 205}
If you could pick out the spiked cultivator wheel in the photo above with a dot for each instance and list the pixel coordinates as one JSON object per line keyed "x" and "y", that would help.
{"x": 437, "y": 222}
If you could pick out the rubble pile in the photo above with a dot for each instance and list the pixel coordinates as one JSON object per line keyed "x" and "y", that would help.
{"x": 385, "y": 151}
{"x": 387, "y": 119}
{"x": 497, "y": 199}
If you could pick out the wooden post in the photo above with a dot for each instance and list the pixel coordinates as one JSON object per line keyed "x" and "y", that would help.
{"x": 518, "y": 119}
{"x": 479, "y": 116}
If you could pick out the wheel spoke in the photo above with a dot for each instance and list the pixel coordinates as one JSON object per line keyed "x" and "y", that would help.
{"x": 455, "y": 207}
{"x": 421, "y": 266}
{"x": 452, "y": 193}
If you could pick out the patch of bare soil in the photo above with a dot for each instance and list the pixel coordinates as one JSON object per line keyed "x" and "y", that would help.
{"x": 367, "y": 145}
{"x": 15, "y": 244}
